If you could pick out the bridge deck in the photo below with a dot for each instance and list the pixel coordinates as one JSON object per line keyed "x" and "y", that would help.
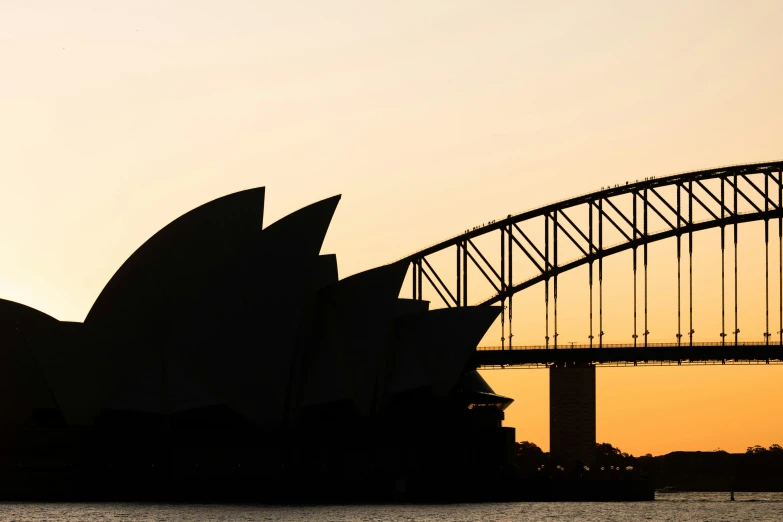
{"x": 628, "y": 355}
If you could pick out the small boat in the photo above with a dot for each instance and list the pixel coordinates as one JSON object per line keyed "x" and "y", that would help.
{"x": 666, "y": 489}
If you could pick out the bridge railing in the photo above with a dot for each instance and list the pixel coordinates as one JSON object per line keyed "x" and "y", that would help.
{"x": 684, "y": 344}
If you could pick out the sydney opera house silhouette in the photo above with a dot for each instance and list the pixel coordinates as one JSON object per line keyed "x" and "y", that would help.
{"x": 225, "y": 360}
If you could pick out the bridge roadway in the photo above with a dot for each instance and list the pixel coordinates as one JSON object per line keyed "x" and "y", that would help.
{"x": 663, "y": 354}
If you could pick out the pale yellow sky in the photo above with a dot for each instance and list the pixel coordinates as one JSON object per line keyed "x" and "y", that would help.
{"x": 429, "y": 118}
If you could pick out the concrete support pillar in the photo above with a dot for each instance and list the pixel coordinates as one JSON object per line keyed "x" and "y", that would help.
{"x": 572, "y": 414}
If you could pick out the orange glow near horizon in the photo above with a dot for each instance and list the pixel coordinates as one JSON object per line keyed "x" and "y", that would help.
{"x": 429, "y": 119}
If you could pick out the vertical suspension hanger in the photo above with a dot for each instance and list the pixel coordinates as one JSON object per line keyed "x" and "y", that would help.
{"x": 421, "y": 269}
{"x": 780, "y": 251}
{"x": 690, "y": 263}
{"x": 779, "y": 182}
{"x": 459, "y": 276}
{"x": 635, "y": 253}
{"x": 780, "y": 254}
{"x": 591, "y": 250}
{"x": 503, "y": 288}
{"x": 722, "y": 264}
{"x": 679, "y": 263}
{"x": 646, "y": 329}
{"x": 766, "y": 259}
{"x": 554, "y": 280}
{"x": 780, "y": 247}
{"x": 546, "y": 279}
{"x": 736, "y": 295}
{"x": 510, "y": 284}
{"x": 465, "y": 273}
{"x": 414, "y": 266}
{"x": 600, "y": 273}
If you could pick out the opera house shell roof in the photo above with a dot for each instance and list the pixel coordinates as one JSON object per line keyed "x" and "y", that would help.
{"x": 216, "y": 317}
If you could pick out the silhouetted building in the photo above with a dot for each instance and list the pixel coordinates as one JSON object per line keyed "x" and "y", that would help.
{"x": 228, "y": 359}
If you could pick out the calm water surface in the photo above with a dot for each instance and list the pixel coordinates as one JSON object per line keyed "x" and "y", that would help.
{"x": 688, "y": 507}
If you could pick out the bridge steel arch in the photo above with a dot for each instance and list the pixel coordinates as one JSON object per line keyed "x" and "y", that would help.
{"x": 737, "y": 194}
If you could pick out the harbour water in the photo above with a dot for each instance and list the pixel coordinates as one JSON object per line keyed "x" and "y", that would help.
{"x": 686, "y": 507}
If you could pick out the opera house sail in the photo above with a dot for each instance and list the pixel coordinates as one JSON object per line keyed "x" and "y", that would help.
{"x": 225, "y": 360}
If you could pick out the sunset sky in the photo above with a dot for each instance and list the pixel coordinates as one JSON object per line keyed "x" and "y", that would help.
{"x": 429, "y": 118}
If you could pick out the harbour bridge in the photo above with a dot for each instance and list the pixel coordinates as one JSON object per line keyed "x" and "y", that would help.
{"x": 595, "y": 226}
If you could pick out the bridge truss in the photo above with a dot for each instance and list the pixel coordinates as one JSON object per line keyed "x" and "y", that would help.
{"x": 681, "y": 204}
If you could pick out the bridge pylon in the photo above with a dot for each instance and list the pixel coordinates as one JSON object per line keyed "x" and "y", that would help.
{"x": 572, "y": 414}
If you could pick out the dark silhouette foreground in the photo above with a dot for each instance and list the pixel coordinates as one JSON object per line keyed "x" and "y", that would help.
{"x": 227, "y": 361}
{"x": 758, "y": 469}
